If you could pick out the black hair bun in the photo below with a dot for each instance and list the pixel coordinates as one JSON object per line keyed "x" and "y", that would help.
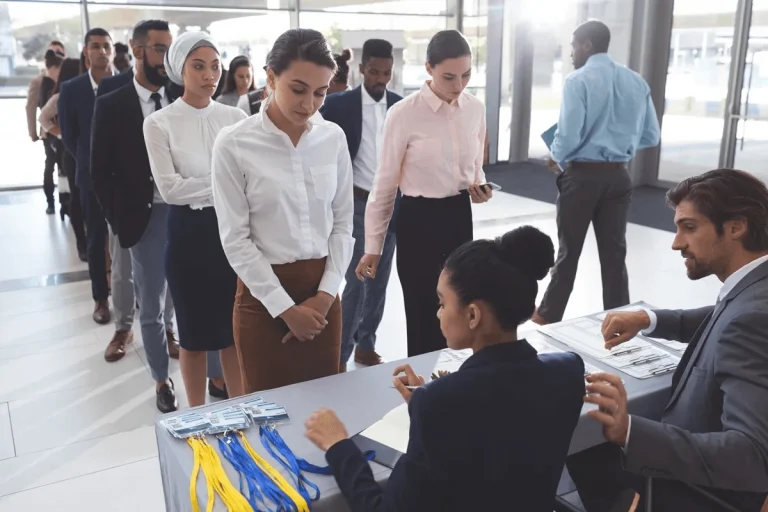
{"x": 527, "y": 249}
{"x": 50, "y": 54}
{"x": 346, "y": 55}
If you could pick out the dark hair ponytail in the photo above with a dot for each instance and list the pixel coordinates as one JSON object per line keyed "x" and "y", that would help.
{"x": 504, "y": 273}
{"x": 342, "y": 66}
{"x": 52, "y": 59}
{"x": 447, "y": 44}
{"x": 300, "y": 44}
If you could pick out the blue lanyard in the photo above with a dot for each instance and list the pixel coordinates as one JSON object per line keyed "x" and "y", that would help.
{"x": 260, "y": 487}
{"x": 272, "y": 440}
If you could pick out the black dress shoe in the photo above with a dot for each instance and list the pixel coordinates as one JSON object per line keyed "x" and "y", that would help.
{"x": 83, "y": 255}
{"x": 166, "y": 399}
{"x": 216, "y": 392}
{"x": 50, "y": 210}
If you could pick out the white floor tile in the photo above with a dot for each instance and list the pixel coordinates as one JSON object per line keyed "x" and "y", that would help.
{"x": 35, "y": 470}
{"x": 124, "y": 403}
{"x": 7, "y": 448}
{"x": 130, "y": 488}
{"x": 81, "y": 368}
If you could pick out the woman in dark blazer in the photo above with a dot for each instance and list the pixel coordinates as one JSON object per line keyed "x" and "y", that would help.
{"x": 495, "y": 434}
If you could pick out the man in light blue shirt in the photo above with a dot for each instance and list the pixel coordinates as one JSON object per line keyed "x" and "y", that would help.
{"x": 606, "y": 116}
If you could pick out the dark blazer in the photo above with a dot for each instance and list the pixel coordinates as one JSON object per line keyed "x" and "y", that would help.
{"x": 113, "y": 83}
{"x": 346, "y": 110}
{"x": 76, "y": 101}
{"x": 714, "y": 430}
{"x": 492, "y": 436}
{"x": 120, "y": 171}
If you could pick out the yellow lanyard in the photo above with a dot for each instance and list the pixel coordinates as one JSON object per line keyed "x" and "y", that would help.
{"x": 275, "y": 476}
{"x": 216, "y": 480}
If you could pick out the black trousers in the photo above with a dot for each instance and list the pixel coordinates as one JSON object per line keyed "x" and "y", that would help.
{"x": 53, "y": 151}
{"x": 602, "y": 484}
{"x": 75, "y": 209}
{"x": 428, "y": 231}
{"x": 597, "y": 194}
{"x": 97, "y": 245}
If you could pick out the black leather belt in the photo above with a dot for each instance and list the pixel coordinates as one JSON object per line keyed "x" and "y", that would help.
{"x": 361, "y": 193}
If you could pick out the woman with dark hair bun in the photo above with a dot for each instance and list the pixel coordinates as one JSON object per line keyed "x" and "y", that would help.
{"x": 282, "y": 184}
{"x": 238, "y": 81}
{"x": 495, "y": 434}
{"x": 340, "y": 82}
{"x": 432, "y": 150}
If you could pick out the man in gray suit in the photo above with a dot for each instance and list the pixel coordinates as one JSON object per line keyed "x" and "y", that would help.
{"x": 713, "y": 434}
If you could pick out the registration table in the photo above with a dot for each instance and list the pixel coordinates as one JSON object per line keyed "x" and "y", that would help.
{"x": 361, "y": 398}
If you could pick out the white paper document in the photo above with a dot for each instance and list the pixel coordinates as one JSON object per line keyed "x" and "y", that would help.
{"x": 392, "y": 430}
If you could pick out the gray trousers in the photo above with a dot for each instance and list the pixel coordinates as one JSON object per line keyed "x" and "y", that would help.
{"x": 599, "y": 194}
{"x": 124, "y": 295}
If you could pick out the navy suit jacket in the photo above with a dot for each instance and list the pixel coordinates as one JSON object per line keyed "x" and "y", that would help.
{"x": 346, "y": 110}
{"x": 76, "y": 101}
{"x": 113, "y": 83}
{"x": 492, "y": 436}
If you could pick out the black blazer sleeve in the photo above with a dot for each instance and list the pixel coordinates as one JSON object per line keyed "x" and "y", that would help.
{"x": 102, "y": 140}
{"x": 68, "y": 118}
{"x": 414, "y": 484}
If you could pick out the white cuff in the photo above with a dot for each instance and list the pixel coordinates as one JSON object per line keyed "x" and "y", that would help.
{"x": 278, "y": 302}
{"x": 330, "y": 283}
{"x": 629, "y": 429}
{"x": 654, "y": 320}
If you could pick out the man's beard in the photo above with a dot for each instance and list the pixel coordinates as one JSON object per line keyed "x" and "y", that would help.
{"x": 154, "y": 76}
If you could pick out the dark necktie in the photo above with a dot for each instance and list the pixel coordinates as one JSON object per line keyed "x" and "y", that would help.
{"x": 156, "y": 98}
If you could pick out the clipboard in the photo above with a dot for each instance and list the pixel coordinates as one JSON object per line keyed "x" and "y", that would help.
{"x": 384, "y": 455}
{"x": 549, "y": 136}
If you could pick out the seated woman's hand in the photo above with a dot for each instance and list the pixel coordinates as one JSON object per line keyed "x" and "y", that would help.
{"x": 402, "y": 383}
{"x": 325, "y": 429}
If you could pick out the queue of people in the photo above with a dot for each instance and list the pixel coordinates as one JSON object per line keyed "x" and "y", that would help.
{"x": 250, "y": 221}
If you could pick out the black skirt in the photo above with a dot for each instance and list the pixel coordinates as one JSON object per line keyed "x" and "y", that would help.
{"x": 200, "y": 279}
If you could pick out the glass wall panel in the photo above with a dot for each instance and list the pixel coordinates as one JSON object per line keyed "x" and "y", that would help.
{"x": 26, "y": 28}
{"x": 232, "y": 4}
{"x": 433, "y": 7}
{"x": 552, "y": 24}
{"x": 476, "y": 30}
{"x": 408, "y": 34}
{"x": 697, "y": 86}
{"x": 238, "y": 32}
{"x": 752, "y": 134}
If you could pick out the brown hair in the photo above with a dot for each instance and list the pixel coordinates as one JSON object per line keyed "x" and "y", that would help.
{"x": 727, "y": 194}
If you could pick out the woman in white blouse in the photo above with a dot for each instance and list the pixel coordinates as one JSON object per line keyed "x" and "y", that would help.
{"x": 179, "y": 142}
{"x": 282, "y": 186}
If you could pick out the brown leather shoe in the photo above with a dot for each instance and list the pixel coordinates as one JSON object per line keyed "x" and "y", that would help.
{"x": 173, "y": 344}
{"x": 116, "y": 348}
{"x": 101, "y": 314}
{"x": 538, "y": 319}
{"x": 367, "y": 357}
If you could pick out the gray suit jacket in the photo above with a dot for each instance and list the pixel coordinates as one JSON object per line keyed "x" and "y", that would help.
{"x": 714, "y": 431}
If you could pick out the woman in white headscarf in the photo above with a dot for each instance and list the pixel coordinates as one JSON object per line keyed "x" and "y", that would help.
{"x": 179, "y": 141}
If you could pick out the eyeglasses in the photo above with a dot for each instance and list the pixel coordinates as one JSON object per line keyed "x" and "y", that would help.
{"x": 160, "y": 49}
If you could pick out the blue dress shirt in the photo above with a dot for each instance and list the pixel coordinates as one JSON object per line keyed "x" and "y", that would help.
{"x": 607, "y": 114}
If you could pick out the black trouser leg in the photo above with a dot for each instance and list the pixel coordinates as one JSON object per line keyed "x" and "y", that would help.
{"x": 75, "y": 202}
{"x": 50, "y": 165}
{"x": 428, "y": 231}
{"x": 97, "y": 246}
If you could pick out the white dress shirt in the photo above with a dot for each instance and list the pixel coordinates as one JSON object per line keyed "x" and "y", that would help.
{"x": 279, "y": 204}
{"x": 147, "y": 108}
{"x": 367, "y": 158}
{"x": 728, "y": 285}
{"x": 179, "y": 142}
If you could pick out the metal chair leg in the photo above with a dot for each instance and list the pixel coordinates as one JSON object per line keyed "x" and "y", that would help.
{"x": 648, "y": 494}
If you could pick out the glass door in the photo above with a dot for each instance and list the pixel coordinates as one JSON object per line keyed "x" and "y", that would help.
{"x": 751, "y": 144}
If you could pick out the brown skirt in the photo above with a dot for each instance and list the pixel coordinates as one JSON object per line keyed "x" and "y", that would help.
{"x": 266, "y": 362}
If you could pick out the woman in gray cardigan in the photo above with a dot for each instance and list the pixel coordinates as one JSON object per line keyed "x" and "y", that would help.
{"x": 239, "y": 81}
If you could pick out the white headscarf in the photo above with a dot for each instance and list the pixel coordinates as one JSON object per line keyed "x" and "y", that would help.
{"x": 179, "y": 51}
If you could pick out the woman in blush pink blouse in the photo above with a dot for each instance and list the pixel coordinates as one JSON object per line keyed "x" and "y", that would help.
{"x": 432, "y": 149}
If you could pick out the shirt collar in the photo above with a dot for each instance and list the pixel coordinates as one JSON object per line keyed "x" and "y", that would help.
{"x": 434, "y": 102}
{"x": 94, "y": 85}
{"x": 145, "y": 95}
{"x": 730, "y": 283}
{"x": 599, "y": 58}
{"x": 368, "y": 100}
{"x": 501, "y": 353}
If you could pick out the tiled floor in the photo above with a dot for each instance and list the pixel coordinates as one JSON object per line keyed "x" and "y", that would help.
{"x": 73, "y": 426}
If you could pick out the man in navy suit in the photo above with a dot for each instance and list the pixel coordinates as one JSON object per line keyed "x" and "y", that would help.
{"x": 76, "y": 101}
{"x": 361, "y": 113}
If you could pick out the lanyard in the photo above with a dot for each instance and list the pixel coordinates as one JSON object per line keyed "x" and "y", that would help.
{"x": 216, "y": 479}
{"x": 271, "y": 440}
